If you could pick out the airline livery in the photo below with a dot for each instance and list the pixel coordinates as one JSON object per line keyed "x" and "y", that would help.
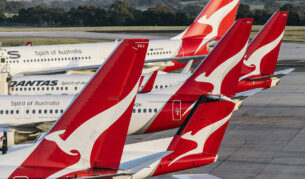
{"x": 211, "y": 24}
{"x": 257, "y": 70}
{"x": 171, "y": 105}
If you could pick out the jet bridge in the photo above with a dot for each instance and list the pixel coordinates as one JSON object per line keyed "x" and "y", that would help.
{"x": 5, "y": 77}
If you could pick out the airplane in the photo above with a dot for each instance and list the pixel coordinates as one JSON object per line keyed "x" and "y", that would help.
{"x": 29, "y": 44}
{"x": 210, "y": 25}
{"x": 154, "y": 111}
{"x": 258, "y": 70}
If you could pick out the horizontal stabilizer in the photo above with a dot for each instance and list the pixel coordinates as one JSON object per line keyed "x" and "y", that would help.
{"x": 136, "y": 165}
{"x": 246, "y": 94}
{"x": 278, "y": 74}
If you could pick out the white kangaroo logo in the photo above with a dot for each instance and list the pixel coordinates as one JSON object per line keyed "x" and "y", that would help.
{"x": 217, "y": 76}
{"x": 215, "y": 20}
{"x": 201, "y": 137}
{"x": 89, "y": 130}
{"x": 255, "y": 59}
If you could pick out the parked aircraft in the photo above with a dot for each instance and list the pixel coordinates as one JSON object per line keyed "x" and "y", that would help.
{"x": 258, "y": 70}
{"x": 210, "y": 25}
{"x": 153, "y": 111}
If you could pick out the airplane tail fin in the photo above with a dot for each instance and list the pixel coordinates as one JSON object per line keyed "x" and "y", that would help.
{"x": 198, "y": 139}
{"x": 262, "y": 53}
{"x": 92, "y": 131}
{"x": 221, "y": 69}
{"x": 211, "y": 24}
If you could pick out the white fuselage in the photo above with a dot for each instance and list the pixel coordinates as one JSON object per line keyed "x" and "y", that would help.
{"x": 72, "y": 84}
{"x": 26, "y": 60}
{"x": 31, "y": 109}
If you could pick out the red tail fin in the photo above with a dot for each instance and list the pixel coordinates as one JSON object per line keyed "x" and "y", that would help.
{"x": 92, "y": 131}
{"x": 262, "y": 53}
{"x": 28, "y": 44}
{"x": 211, "y": 24}
{"x": 198, "y": 140}
{"x": 222, "y": 66}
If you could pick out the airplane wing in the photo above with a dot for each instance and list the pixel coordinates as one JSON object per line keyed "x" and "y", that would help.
{"x": 181, "y": 59}
{"x": 278, "y": 74}
{"x": 131, "y": 167}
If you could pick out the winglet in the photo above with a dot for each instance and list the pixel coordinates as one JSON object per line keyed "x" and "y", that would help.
{"x": 150, "y": 83}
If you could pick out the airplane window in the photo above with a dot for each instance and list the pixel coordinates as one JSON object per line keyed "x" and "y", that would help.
{"x": 16, "y": 89}
{"x": 24, "y": 89}
{"x": 39, "y": 111}
{"x": 61, "y": 111}
{"x": 155, "y": 110}
{"x": 82, "y": 58}
{"x": 38, "y": 89}
{"x": 156, "y": 87}
{"x": 75, "y": 88}
{"x": 54, "y": 59}
{"x": 20, "y": 89}
{"x": 6, "y": 111}
{"x": 86, "y": 58}
{"x": 31, "y": 60}
{"x": 165, "y": 86}
{"x": 56, "y": 111}
{"x": 66, "y": 58}
{"x": 37, "y": 60}
{"x": 34, "y": 60}
{"x": 45, "y": 111}
{"x": 144, "y": 110}
{"x": 57, "y": 88}
{"x": 154, "y": 53}
{"x": 147, "y": 53}
{"x": 150, "y": 110}
{"x": 29, "y": 89}
{"x": 12, "y": 111}
{"x": 52, "y": 88}
{"x": 133, "y": 111}
{"x": 27, "y": 111}
{"x": 34, "y": 89}
{"x": 51, "y": 111}
{"x": 72, "y": 58}
{"x": 161, "y": 86}
{"x": 27, "y": 60}
{"x": 89, "y": 57}
{"x": 47, "y": 88}
{"x": 17, "y": 111}
{"x": 33, "y": 111}
{"x": 24, "y": 61}
{"x": 46, "y": 60}
{"x": 66, "y": 88}
{"x": 61, "y": 88}
{"x": 42, "y": 88}
{"x": 69, "y": 58}
{"x": 12, "y": 89}
{"x": 1, "y": 111}
{"x": 139, "y": 110}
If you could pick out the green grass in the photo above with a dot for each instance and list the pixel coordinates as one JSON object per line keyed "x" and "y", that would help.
{"x": 105, "y": 29}
{"x": 6, "y": 42}
{"x": 293, "y": 33}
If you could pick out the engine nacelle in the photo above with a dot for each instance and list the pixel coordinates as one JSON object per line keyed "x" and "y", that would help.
{"x": 13, "y": 138}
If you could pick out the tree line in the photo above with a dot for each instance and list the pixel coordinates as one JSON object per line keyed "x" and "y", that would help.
{"x": 122, "y": 13}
